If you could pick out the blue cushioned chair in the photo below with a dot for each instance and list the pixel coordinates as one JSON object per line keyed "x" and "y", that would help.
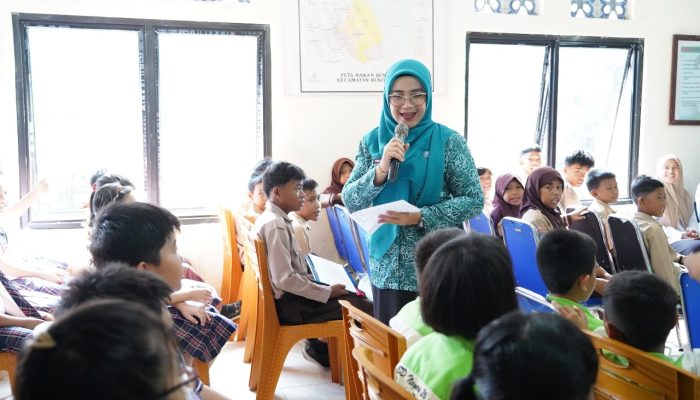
{"x": 337, "y": 234}
{"x": 353, "y": 248}
{"x": 531, "y": 302}
{"x": 690, "y": 301}
{"x": 521, "y": 240}
{"x": 481, "y": 223}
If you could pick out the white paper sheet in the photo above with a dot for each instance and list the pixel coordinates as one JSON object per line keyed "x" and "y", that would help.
{"x": 368, "y": 217}
{"x": 329, "y": 272}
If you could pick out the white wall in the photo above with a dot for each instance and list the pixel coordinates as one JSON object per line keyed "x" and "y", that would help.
{"x": 313, "y": 130}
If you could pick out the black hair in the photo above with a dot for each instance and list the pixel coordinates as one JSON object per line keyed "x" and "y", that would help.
{"x": 580, "y": 157}
{"x": 116, "y": 281}
{"x": 643, "y": 185}
{"x": 482, "y": 170}
{"x": 467, "y": 284}
{"x": 280, "y": 173}
{"x": 258, "y": 172}
{"x": 131, "y": 233}
{"x": 429, "y": 243}
{"x": 104, "y": 179}
{"x": 642, "y": 307}
{"x": 530, "y": 357}
{"x": 595, "y": 176}
{"x": 527, "y": 150}
{"x": 95, "y": 176}
{"x": 106, "y": 349}
{"x": 309, "y": 184}
{"x": 563, "y": 256}
{"x": 105, "y": 195}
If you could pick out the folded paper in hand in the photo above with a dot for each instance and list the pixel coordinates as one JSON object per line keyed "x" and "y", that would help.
{"x": 330, "y": 273}
{"x": 367, "y": 218}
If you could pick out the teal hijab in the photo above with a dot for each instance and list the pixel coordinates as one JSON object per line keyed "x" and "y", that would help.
{"x": 421, "y": 174}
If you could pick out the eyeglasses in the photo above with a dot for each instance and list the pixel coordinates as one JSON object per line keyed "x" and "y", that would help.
{"x": 417, "y": 99}
{"x": 189, "y": 378}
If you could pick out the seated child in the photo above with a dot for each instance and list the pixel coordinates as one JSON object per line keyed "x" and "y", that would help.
{"x": 506, "y": 200}
{"x": 530, "y": 160}
{"x": 340, "y": 173}
{"x": 543, "y": 191}
{"x": 521, "y": 357}
{"x": 640, "y": 310}
{"x": 309, "y": 211}
{"x": 108, "y": 350}
{"x": 409, "y": 321}
{"x": 575, "y": 167}
{"x": 485, "y": 182}
{"x": 255, "y": 204}
{"x": 650, "y": 197}
{"x": 566, "y": 261}
{"x": 144, "y": 236}
{"x": 298, "y": 299}
{"x": 121, "y": 282}
{"x": 603, "y": 187}
{"x": 467, "y": 283}
{"x": 17, "y": 317}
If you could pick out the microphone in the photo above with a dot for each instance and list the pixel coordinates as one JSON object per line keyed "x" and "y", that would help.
{"x": 400, "y": 132}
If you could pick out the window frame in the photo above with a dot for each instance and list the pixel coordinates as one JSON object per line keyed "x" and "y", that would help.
{"x": 147, "y": 29}
{"x": 554, "y": 43}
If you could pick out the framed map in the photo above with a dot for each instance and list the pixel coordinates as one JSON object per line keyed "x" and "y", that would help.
{"x": 347, "y": 45}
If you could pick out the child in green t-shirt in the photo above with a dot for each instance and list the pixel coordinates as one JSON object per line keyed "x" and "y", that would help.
{"x": 566, "y": 260}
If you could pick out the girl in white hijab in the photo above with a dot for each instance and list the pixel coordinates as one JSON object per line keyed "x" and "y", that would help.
{"x": 679, "y": 219}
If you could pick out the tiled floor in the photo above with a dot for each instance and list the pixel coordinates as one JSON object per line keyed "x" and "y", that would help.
{"x": 300, "y": 379}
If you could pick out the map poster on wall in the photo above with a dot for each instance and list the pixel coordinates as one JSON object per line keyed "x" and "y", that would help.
{"x": 685, "y": 81}
{"x": 347, "y": 45}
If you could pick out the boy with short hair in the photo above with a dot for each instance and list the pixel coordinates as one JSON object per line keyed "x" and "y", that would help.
{"x": 298, "y": 299}
{"x": 310, "y": 210}
{"x": 255, "y": 205}
{"x": 640, "y": 310}
{"x": 530, "y": 160}
{"x": 144, "y": 237}
{"x": 409, "y": 321}
{"x": 650, "y": 197}
{"x": 603, "y": 187}
{"x": 576, "y": 165}
{"x": 566, "y": 261}
{"x": 117, "y": 280}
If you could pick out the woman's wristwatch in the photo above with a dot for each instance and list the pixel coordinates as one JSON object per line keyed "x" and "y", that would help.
{"x": 421, "y": 222}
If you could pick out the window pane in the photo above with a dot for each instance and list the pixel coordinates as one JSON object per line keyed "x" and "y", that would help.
{"x": 587, "y": 116}
{"x": 503, "y": 102}
{"x": 86, "y": 113}
{"x": 209, "y": 117}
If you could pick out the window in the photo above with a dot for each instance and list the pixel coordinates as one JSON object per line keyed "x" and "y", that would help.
{"x": 561, "y": 93}
{"x": 177, "y": 107}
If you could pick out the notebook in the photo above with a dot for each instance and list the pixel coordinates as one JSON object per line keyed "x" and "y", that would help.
{"x": 332, "y": 273}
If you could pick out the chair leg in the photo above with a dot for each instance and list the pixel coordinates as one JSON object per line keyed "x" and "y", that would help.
{"x": 334, "y": 357}
{"x": 252, "y": 335}
{"x": 255, "y": 340}
{"x": 344, "y": 361}
{"x": 246, "y": 308}
{"x": 270, "y": 373}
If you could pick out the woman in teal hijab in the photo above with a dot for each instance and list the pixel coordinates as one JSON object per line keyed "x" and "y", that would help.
{"x": 436, "y": 174}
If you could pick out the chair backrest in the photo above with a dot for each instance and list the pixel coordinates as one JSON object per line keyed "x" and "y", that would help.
{"x": 690, "y": 301}
{"x": 267, "y": 298}
{"x": 363, "y": 330}
{"x": 232, "y": 270}
{"x": 376, "y": 385}
{"x": 642, "y": 377}
{"x": 521, "y": 240}
{"x": 481, "y": 223}
{"x": 592, "y": 226}
{"x": 531, "y": 302}
{"x": 337, "y": 233}
{"x": 362, "y": 236}
{"x": 353, "y": 248}
{"x": 630, "y": 250}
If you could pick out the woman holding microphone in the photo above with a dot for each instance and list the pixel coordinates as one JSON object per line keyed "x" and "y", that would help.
{"x": 436, "y": 174}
